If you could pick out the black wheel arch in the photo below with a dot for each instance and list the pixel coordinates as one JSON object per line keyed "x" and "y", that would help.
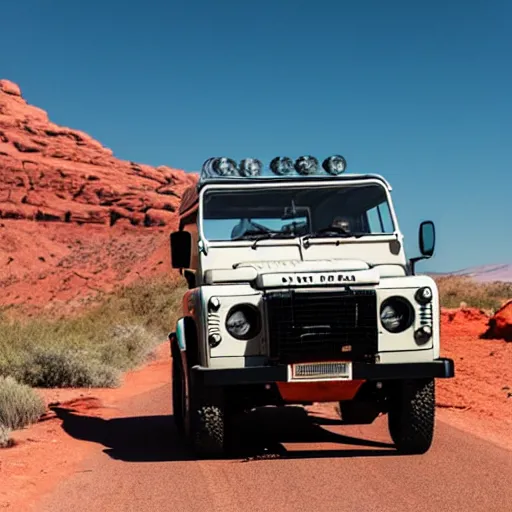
{"x": 192, "y": 341}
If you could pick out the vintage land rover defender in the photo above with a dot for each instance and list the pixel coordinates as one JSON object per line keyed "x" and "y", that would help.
{"x": 300, "y": 292}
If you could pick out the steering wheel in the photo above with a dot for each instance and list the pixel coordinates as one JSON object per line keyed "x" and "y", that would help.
{"x": 336, "y": 229}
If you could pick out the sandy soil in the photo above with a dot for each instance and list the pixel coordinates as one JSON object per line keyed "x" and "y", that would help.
{"x": 60, "y": 269}
{"x": 44, "y": 454}
{"x": 479, "y": 398}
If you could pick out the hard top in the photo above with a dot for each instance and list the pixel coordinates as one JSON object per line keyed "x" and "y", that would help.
{"x": 190, "y": 198}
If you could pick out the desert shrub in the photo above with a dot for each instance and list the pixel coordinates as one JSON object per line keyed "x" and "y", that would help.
{"x": 5, "y": 437}
{"x": 20, "y": 405}
{"x": 91, "y": 349}
{"x": 50, "y": 368}
{"x": 454, "y": 290}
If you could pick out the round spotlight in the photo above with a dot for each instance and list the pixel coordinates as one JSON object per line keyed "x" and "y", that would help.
{"x": 306, "y": 165}
{"x": 250, "y": 167}
{"x": 281, "y": 165}
{"x": 224, "y": 166}
{"x": 424, "y": 295}
{"x": 335, "y": 164}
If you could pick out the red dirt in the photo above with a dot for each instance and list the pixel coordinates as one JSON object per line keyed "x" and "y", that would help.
{"x": 75, "y": 220}
{"x": 479, "y": 398}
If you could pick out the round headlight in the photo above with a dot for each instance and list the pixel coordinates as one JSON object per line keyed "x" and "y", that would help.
{"x": 224, "y": 166}
{"x": 281, "y": 165}
{"x": 396, "y": 314}
{"x": 423, "y": 295}
{"x": 335, "y": 164}
{"x": 250, "y": 167}
{"x": 243, "y": 322}
{"x": 306, "y": 165}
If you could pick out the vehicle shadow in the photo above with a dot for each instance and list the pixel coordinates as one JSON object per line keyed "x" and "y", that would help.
{"x": 254, "y": 435}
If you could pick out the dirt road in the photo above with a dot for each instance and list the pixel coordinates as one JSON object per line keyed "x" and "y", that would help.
{"x": 311, "y": 464}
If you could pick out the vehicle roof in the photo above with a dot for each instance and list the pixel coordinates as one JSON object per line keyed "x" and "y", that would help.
{"x": 190, "y": 197}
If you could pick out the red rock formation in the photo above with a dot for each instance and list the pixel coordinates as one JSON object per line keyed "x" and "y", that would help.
{"x": 75, "y": 220}
{"x": 463, "y": 315}
{"x": 500, "y": 325}
{"x": 52, "y": 173}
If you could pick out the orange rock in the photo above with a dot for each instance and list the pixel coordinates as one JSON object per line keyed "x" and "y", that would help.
{"x": 75, "y": 220}
{"x": 66, "y": 171}
{"x": 500, "y": 325}
{"x": 463, "y": 315}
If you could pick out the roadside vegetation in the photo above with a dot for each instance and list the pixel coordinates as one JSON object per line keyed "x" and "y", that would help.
{"x": 457, "y": 290}
{"x": 92, "y": 349}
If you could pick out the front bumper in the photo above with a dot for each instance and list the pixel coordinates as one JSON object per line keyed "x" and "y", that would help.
{"x": 442, "y": 368}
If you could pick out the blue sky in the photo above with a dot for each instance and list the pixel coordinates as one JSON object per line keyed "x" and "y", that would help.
{"x": 416, "y": 91}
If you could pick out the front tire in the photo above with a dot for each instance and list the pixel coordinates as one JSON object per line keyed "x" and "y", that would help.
{"x": 207, "y": 422}
{"x": 411, "y": 415}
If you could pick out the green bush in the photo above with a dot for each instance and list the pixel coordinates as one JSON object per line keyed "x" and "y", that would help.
{"x": 90, "y": 350}
{"x": 49, "y": 368}
{"x": 20, "y": 405}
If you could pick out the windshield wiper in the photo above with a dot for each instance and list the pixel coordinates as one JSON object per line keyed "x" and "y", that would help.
{"x": 331, "y": 232}
{"x": 258, "y": 235}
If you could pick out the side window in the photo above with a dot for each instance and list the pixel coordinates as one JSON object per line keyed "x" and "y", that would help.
{"x": 379, "y": 219}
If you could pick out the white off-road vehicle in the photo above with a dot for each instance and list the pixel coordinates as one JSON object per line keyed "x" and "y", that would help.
{"x": 300, "y": 291}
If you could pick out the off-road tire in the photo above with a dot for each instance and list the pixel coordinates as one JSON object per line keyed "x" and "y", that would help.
{"x": 356, "y": 412}
{"x": 177, "y": 388}
{"x": 208, "y": 417}
{"x": 411, "y": 415}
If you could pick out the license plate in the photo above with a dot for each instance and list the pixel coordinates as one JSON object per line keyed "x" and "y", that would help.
{"x": 335, "y": 370}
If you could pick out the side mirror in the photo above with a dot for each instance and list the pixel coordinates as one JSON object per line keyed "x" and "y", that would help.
{"x": 427, "y": 242}
{"x": 181, "y": 249}
{"x": 427, "y": 238}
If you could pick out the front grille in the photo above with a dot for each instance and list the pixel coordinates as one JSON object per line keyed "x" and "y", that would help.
{"x": 313, "y": 326}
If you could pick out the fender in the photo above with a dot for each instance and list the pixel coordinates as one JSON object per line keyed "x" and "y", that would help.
{"x": 185, "y": 333}
{"x": 180, "y": 334}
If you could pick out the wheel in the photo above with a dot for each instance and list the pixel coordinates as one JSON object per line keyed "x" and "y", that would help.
{"x": 356, "y": 412}
{"x": 411, "y": 415}
{"x": 178, "y": 389}
{"x": 207, "y": 421}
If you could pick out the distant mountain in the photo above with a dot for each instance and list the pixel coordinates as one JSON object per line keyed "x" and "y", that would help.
{"x": 483, "y": 273}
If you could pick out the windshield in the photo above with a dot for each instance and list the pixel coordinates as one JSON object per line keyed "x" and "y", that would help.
{"x": 231, "y": 214}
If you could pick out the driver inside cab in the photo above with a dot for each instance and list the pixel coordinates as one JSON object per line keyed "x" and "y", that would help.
{"x": 341, "y": 222}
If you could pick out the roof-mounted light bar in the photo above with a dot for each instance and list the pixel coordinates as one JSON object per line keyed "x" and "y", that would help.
{"x": 281, "y": 165}
{"x": 250, "y": 167}
{"x": 335, "y": 164}
{"x": 305, "y": 165}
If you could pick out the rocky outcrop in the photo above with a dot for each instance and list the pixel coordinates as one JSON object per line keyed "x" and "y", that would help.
{"x": 52, "y": 173}
{"x": 500, "y": 324}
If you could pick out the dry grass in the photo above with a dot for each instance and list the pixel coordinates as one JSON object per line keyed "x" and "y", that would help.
{"x": 20, "y": 405}
{"x": 454, "y": 290}
{"x": 91, "y": 350}
{"x": 5, "y": 437}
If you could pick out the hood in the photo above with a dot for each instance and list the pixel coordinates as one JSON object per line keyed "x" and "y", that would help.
{"x": 265, "y": 267}
{"x": 297, "y": 273}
